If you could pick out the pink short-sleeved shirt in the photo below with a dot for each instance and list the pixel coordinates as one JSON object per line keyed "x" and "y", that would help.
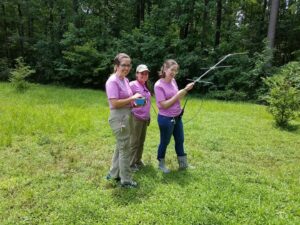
{"x": 163, "y": 91}
{"x": 142, "y": 113}
{"x": 117, "y": 88}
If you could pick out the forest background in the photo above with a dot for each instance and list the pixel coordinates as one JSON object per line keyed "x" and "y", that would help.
{"x": 56, "y": 144}
{"x": 73, "y": 42}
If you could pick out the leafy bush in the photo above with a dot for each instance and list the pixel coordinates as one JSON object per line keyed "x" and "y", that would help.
{"x": 18, "y": 75}
{"x": 284, "y": 94}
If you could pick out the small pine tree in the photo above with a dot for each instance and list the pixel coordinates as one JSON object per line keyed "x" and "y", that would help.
{"x": 18, "y": 75}
{"x": 284, "y": 94}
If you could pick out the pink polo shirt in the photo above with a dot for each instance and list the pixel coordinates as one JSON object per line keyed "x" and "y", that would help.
{"x": 117, "y": 88}
{"x": 143, "y": 112}
{"x": 163, "y": 91}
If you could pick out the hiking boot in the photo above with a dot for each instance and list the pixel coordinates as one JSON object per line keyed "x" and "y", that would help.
{"x": 140, "y": 164}
{"x": 134, "y": 168}
{"x": 110, "y": 178}
{"x": 129, "y": 184}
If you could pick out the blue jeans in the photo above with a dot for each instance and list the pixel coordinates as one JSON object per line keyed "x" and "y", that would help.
{"x": 167, "y": 127}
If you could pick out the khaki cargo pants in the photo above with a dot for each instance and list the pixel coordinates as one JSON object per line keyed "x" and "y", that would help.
{"x": 120, "y": 121}
{"x": 137, "y": 139}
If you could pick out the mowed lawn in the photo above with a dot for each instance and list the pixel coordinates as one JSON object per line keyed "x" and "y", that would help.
{"x": 56, "y": 147}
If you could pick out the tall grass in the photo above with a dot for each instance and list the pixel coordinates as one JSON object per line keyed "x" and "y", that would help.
{"x": 56, "y": 148}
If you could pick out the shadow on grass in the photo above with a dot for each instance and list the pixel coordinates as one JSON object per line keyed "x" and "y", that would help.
{"x": 180, "y": 177}
{"x": 293, "y": 128}
{"x": 149, "y": 178}
{"x": 146, "y": 185}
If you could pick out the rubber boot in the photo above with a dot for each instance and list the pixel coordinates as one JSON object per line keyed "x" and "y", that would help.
{"x": 182, "y": 161}
{"x": 162, "y": 166}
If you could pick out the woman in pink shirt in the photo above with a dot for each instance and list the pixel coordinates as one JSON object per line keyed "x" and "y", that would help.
{"x": 141, "y": 117}
{"x": 121, "y": 100}
{"x": 169, "y": 116}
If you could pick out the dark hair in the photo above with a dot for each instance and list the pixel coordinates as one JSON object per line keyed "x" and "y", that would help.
{"x": 167, "y": 64}
{"x": 118, "y": 58}
{"x": 147, "y": 83}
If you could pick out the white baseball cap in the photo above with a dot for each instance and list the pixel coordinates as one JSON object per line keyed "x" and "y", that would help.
{"x": 142, "y": 68}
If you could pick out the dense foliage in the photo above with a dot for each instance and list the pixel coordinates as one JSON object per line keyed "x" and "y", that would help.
{"x": 284, "y": 94}
{"x": 74, "y": 41}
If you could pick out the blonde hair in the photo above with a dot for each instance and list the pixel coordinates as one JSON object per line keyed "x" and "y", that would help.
{"x": 118, "y": 58}
{"x": 167, "y": 64}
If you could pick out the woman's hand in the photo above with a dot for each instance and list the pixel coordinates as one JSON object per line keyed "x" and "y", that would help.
{"x": 189, "y": 86}
{"x": 185, "y": 90}
{"x": 120, "y": 103}
{"x": 136, "y": 95}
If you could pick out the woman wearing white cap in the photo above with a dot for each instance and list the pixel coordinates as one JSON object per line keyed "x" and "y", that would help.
{"x": 141, "y": 116}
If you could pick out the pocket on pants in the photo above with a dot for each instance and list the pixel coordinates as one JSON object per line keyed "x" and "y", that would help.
{"x": 119, "y": 124}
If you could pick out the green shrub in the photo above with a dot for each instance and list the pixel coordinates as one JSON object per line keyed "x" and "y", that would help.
{"x": 18, "y": 75}
{"x": 284, "y": 94}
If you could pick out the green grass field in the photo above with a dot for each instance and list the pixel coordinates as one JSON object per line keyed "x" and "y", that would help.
{"x": 56, "y": 147}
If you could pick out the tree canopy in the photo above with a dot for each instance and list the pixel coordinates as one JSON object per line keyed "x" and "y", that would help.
{"x": 73, "y": 42}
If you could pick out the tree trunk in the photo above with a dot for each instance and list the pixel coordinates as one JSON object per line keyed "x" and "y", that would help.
{"x": 76, "y": 19}
{"x": 273, "y": 22}
{"x": 184, "y": 31}
{"x": 21, "y": 30}
{"x": 30, "y": 27}
{"x": 264, "y": 10}
{"x": 29, "y": 15}
{"x": 62, "y": 24}
{"x": 5, "y": 26}
{"x": 218, "y": 23}
{"x": 51, "y": 21}
{"x": 187, "y": 27}
{"x": 204, "y": 25}
{"x": 140, "y": 12}
{"x": 263, "y": 17}
{"x": 149, "y": 6}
